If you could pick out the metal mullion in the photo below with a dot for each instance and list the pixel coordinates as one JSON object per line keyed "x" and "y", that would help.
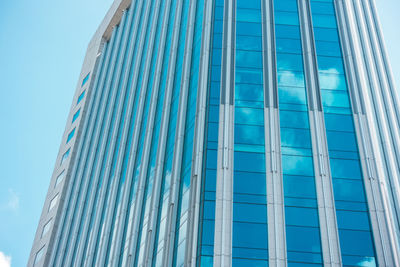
{"x": 101, "y": 256}
{"x": 101, "y": 201}
{"x": 156, "y": 91}
{"x": 139, "y": 115}
{"x": 201, "y": 111}
{"x": 179, "y": 137}
{"x": 274, "y": 181}
{"x": 153, "y": 218}
{"x": 329, "y": 232}
{"x": 224, "y": 186}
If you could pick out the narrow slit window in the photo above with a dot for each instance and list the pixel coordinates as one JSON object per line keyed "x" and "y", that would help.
{"x": 71, "y": 135}
{"x": 46, "y": 228}
{"x": 81, "y": 96}
{"x": 85, "y": 79}
{"x": 65, "y": 156}
{"x": 53, "y": 202}
{"x": 76, "y": 115}
{"x": 60, "y": 177}
{"x": 38, "y": 256}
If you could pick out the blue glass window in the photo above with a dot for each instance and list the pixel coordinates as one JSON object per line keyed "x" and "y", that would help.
{"x": 81, "y": 96}
{"x": 85, "y": 79}
{"x": 71, "y": 135}
{"x": 76, "y": 115}
{"x": 65, "y": 156}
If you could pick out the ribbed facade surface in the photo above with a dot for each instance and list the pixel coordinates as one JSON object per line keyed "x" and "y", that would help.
{"x": 229, "y": 133}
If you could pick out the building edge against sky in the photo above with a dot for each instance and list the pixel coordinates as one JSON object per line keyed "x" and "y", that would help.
{"x": 189, "y": 35}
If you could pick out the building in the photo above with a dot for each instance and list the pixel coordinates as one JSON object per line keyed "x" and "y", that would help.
{"x": 229, "y": 133}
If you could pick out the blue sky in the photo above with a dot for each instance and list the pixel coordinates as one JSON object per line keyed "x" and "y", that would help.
{"x": 42, "y": 46}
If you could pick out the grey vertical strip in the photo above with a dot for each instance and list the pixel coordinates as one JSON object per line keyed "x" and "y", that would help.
{"x": 103, "y": 190}
{"x": 195, "y": 185}
{"x": 274, "y": 182}
{"x": 224, "y": 192}
{"x": 106, "y": 234}
{"x": 179, "y": 138}
{"x": 83, "y": 148}
{"x": 353, "y": 73}
{"x": 309, "y": 51}
{"x": 323, "y": 180}
{"x": 269, "y": 55}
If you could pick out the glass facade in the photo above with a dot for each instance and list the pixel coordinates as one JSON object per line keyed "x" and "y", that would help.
{"x": 356, "y": 241}
{"x": 300, "y": 198}
{"x": 250, "y": 229}
{"x": 185, "y": 95}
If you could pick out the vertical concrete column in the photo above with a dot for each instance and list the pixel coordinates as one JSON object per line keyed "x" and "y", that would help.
{"x": 275, "y": 199}
{"x": 323, "y": 179}
{"x": 355, "y": 28}
{"x": 201, "y": 111}
{"x": 224, "y": 193}
{"x": 179, "y": 139}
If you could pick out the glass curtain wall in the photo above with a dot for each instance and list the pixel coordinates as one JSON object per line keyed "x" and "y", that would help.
{"x": 205, "y": 252}
{"x": 169, "y": 152}
{"x": 301, "y": 213}
{"x": 356, "y": 242}
{"x": 249, "y": 237}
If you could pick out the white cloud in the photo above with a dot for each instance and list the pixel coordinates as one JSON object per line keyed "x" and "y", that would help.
{"x": 13, "y": 201}
{"x": 5, "y": 261}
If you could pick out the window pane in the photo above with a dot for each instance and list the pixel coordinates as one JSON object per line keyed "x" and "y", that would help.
{"x": 303, "y": 239}
{"x": 249, "y": 43}
{"x": 295, "y": 138}
{"x": 249, "y": 213}
{"x": 246, "y": 134}
{"x": 250, "y": 59}
{"x": 249, "y": 183}
{"x": 356, "y": 243}
{"x": 248, "y": 15}
{"x": 252, "y": 76}
{"x": 299, "y": 186}
{"x": 250, "y": 235}
{"x": 252, "y": 162}
{"x": 297, "y": 165}
{"x": 289, "y": 62}
{"x": 288, "y": 46}
{"x": 249, "y": 116}
{"x": 290, "y": 78}
{"x": 286, "y": 18}
{"x": 301, "y": 216}
{"x": 353, "y": 220}
{"x": 294, "y": 119}
{"x": 250, "y": 92}
{"x": 342, "y": 168}
{"x": 248, "y": 28}
{"x": 287, "y": 31}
